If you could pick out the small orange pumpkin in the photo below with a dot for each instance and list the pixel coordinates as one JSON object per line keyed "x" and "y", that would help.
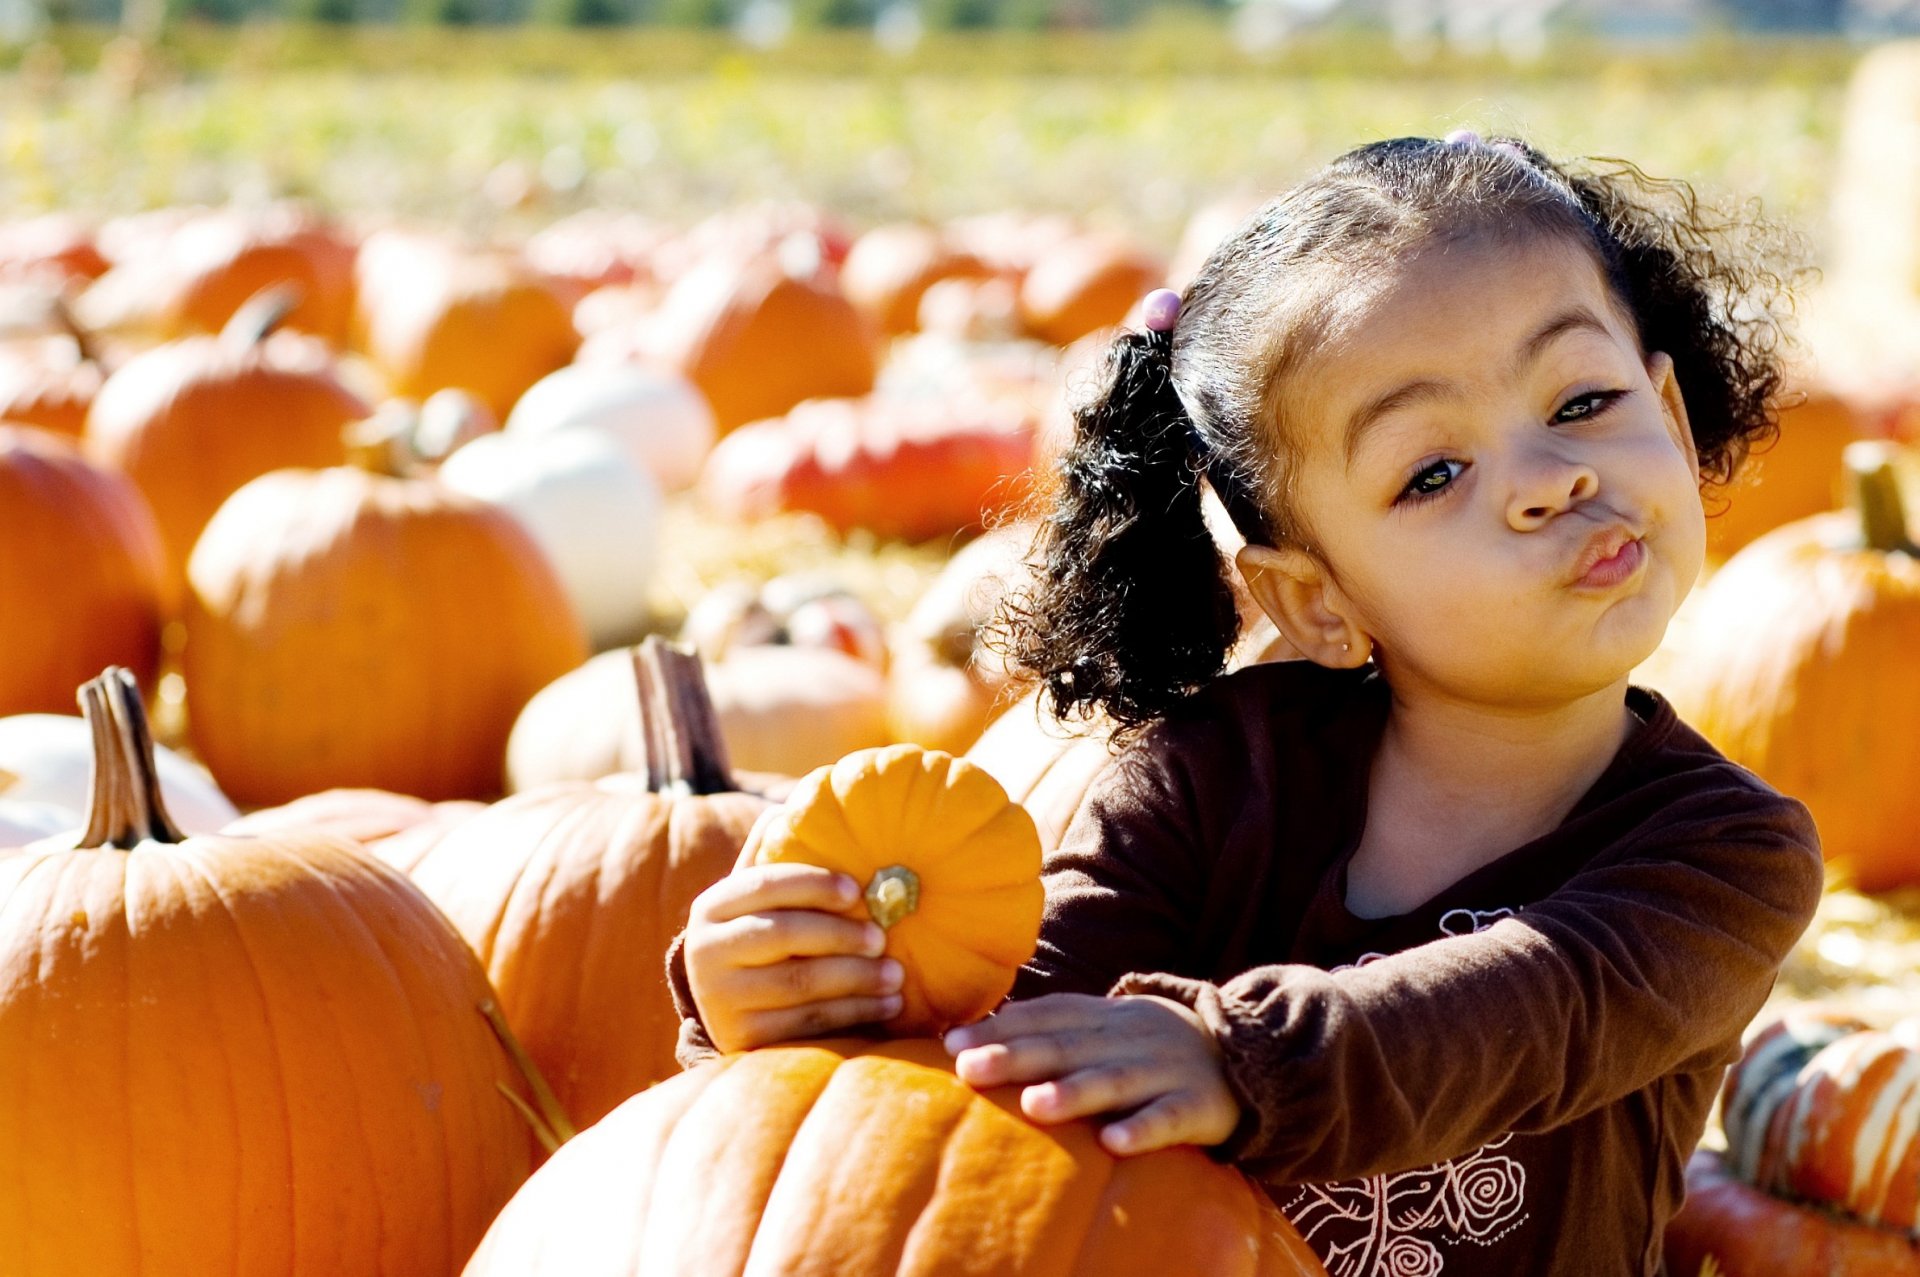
{"x": 949, "y": 865}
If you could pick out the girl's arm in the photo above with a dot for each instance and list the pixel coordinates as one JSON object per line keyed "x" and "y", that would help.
{"x": 1649, "y": 961}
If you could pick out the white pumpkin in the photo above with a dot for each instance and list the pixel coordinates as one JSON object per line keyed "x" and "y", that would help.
{"x": 46, "y": 761}
{"x": 785, "y": 710}
{"x": 589, "y": 507}
{"x": 22, "y": 823}
{"x": 657, "y": 415}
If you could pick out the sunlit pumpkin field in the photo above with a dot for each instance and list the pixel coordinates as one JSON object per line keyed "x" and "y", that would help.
{"x": 379, "y": 400}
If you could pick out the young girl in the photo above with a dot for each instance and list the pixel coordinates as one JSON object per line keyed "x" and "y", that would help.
{"x": 1445, "y": 933}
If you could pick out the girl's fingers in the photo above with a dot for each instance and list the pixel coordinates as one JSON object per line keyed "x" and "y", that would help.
{"x": 764, "y": 1027}
{"x": 760, "y": 939}
{"x": 801, "y": 981}
{"x": 1102, "y": 1088}
{"x": 1171, "y": 1119}
{"x": 1050, "y": 1014}
{"x": 1037, "y": 1057}
{"x": 763, "y": 888}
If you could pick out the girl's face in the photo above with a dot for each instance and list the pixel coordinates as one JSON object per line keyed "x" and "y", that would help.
{"x": 1503, "y": 486}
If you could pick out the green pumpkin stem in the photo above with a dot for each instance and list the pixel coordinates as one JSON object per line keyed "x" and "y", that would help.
{"x": 679, "y": 729}
{"x": 549, "y": 1120}
{"x": 124, "y": 806}
{"x": 1875, "y": 483}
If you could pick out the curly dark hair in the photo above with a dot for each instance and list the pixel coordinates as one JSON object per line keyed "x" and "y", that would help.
{"x": 1131, "y": 609}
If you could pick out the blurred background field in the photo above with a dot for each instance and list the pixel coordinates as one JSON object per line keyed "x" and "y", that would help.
{"x": 507, "y": 128}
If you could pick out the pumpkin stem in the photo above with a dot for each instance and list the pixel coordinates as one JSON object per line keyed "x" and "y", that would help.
{"x": 893, "y": 894}
{"x": 1875, "y": 484}
{"x": 124, "y": 806}
{"x": 70, "y": 324}
{"x": 550, "y": 1123}
{"x": 260, "y": 314}
{"x": 678, "y": 726}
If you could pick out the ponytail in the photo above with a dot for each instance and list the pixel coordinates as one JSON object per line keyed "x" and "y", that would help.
{"x": 1131, "y": 609}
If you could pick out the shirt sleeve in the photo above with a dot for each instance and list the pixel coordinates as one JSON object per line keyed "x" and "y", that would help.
{"x": 693, "y": 1045}
{"x": 1125, "y": 886}
{"x": 1650, "y": 961}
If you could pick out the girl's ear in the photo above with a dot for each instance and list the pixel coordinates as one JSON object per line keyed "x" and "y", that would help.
{"x": 1302, "y": 600}
{"x": 1667, "y": 387}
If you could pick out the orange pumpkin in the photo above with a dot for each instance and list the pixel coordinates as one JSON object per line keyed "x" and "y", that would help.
{"x": 81, "y": 574}
{"x": 193, "y": 420}
{"x": 1728, "y": 1228}
{"x": 855, "y": 1158}
{"x": 1799, "y": 474}
{"x": 946, "y": 682}
{"x": 949, "y": 865}
{"x": 256, "y": 1056}
{"x": 760, "y": 332}
{"x": 444, "y": 318}
{"x": 1086, "y": 283}
{"x": 350, "y": 629}
{"x": 570, "y": 893}
{"x": 397, "y": 828}
{"x": 1821, "y": 1173}
{"x": 910, "y": 469}
{"x": 211, "y": 263}
{"x": 51, "y": 382}
{"x": 862, "y": 1159}
{"x": 1799, "y": 666}
{"x": 890, "y": 268}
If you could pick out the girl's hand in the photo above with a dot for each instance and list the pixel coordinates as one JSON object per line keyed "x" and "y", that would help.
{"x": 1106, "y": 1055}
{"x": 770, "y": 958}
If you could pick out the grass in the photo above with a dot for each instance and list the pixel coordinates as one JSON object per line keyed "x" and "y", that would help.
{"x": 1127, "y": 128}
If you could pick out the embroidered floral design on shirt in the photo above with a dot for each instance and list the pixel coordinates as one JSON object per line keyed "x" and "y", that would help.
{"x": 1395, "y": 1225}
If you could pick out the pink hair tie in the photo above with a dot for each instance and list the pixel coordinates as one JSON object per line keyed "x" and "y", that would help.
{"x": 1160, "y": 310}
{"x": 1462, "y": 137}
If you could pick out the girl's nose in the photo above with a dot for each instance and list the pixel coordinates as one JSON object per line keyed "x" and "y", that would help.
{"x": 1550, "y": 486}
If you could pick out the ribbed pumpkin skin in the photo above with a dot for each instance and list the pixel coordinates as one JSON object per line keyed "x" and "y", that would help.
{"x": 81, "y": 576}
{"x": 570, "y": 895}
{"x": 1748, "y": 1233}
{"x": 256, "y": 1057}
{"x": 976, "y": 855}
{"x": 1823, "y": 1109}
{"x": 863, "y": 1159}
{"x": 350, "y": 630}
{"x": 1801, "y": 669}
{"x": 191, "y": 421}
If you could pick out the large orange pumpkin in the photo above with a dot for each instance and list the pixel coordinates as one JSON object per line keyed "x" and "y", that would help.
{"x": 1800, "y": 667}
{"x": 891, "y": 267}
{"x": 570, "y": 893}
{"x": 81, "y": 575}
{"x": 192, "y": 420}
{"x": 862, "y": 1159}
{"x": 856, "y": 1158}
{"x": 256, "y": 1056}
{"x": 347, "y": 629}
{"x": 1798, "y": 474}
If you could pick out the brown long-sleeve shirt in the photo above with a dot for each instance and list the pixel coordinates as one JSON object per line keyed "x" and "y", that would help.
{"x": 1507, "y": 1079}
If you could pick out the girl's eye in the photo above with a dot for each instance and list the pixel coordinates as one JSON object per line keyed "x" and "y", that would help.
{"x": 1431, "y": 481}
{"x": 1591, "y": 404}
